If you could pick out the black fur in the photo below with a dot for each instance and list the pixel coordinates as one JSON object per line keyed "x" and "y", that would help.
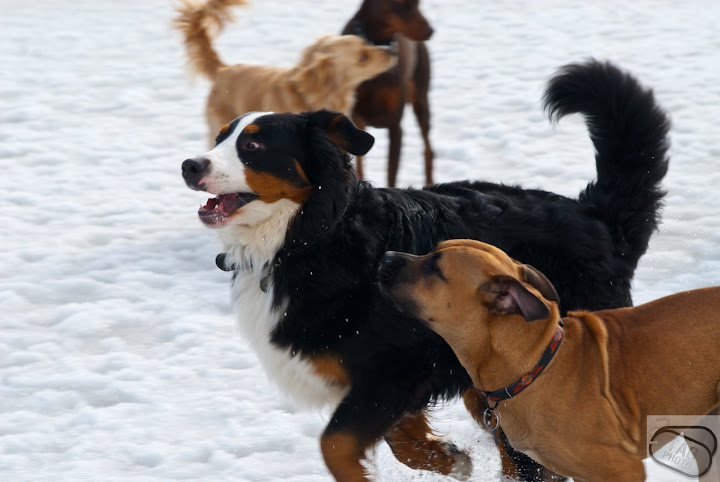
{"x": 588, "y": 247}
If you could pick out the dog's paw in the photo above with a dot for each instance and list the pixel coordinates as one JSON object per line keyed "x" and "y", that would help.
{"x": 462, "y": 468}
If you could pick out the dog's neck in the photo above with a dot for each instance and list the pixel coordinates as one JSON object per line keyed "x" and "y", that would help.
{"x": 337, "y": 95}
{"x": 364, "y": 29}
{"x": 254, "y": 246}
{"x": 510, "y": 353}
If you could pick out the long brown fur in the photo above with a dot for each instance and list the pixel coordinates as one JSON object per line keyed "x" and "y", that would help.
{"x": 327, "y": 75}
{"x": 200, "y": 24}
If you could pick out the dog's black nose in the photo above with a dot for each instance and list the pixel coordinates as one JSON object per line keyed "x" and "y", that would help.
{"x": 393, "y": 261}
{"x": 193, "y": 170}
{"x": 195, "y": 166}
{"x": 428, "y": 32}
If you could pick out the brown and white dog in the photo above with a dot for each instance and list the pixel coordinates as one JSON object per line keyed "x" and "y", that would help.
{"x": 605, "y": 372}
{"x": 329, "y": 71}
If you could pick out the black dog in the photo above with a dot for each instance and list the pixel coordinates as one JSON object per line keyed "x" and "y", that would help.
{"x": 304, "y": 238}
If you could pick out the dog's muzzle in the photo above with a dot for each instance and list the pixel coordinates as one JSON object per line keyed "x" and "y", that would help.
{"x": 391, "y": 265}
{"x": 393, "y": 271}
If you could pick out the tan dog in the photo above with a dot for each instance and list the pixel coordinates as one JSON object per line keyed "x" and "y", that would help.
{"x": 585, "y": 415}
{"x": 327, "y": 75}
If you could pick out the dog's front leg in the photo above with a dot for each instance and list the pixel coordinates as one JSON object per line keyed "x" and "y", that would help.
{"x": 515, "y": 465}
{"x": 359, "y": 422}
{"x": 342, "y": 451}
{"x": 364, "y": 417}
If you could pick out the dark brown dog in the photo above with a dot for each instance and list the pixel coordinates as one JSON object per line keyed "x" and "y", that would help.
{"x": 608, "y": 373}
{"x": 380, "y": 101}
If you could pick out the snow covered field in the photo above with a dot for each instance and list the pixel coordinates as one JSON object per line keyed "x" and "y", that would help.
{"x": 119, "y": 358}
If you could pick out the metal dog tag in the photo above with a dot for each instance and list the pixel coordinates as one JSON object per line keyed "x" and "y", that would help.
{"x": 488, "y": 416}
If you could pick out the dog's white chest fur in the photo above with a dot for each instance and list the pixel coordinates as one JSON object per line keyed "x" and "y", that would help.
{"x": 256, "y": 320}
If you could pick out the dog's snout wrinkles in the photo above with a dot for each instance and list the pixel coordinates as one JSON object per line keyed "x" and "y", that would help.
{"x": 193, "y": 170}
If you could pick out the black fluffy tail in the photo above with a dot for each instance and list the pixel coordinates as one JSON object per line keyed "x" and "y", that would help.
{"x": 630, "y": 134}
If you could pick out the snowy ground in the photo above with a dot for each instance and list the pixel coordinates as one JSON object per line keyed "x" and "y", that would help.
{"x": 118, "y": 355}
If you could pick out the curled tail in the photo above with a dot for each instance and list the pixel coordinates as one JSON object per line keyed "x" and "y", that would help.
{"x": 201, "y": 24}
{"x": 630, "y": 133}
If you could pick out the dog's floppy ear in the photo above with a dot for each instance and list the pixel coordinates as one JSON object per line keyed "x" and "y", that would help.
{"x": 508, "y": 296}
{"x": 535, "y": 278}
{"x": 342, "y": 132}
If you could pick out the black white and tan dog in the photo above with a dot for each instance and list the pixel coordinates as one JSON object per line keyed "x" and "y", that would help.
{"x": 304, "y": 238}
{"x": 591, "y": 379}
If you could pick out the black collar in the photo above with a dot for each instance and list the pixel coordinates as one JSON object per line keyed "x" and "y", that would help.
{"x": 268, "y": 269}
{"x": 492, "y": 399}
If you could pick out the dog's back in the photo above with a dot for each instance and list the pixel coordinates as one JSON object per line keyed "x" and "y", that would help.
{"x": 603, "y": 233}
{"x": 678, "y": 333}
{"x": 662, "y": 355}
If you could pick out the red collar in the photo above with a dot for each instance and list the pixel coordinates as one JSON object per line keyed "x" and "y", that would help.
{"x": 521, "y": 383}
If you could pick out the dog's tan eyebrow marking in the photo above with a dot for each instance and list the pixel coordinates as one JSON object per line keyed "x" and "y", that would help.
{"x": 251, "y": 129}
{"x": 300, "y": 171}
{"x": 224, "y": 128}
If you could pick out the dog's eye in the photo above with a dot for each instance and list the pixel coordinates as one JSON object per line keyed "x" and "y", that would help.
{"x": 252, "y": 145}
{"x": 364, "y": 56}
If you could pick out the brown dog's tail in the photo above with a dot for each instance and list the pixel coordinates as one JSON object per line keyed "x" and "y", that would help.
{"x": 629, "y": 131}
{"x": 201, "y": 24}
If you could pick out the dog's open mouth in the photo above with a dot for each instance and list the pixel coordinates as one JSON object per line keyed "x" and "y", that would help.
{"x": 218, "y": 209}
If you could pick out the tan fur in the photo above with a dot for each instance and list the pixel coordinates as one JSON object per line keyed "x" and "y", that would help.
{"x": 326, "y": 77}
{"x": 342, "y": 453}
{"x": 331, "y": 368}
{"x": 200, "y": 23}
{"x": 273, "y": 188}
{"x": 414, "y": 444}
{"x": 613, "y": 368}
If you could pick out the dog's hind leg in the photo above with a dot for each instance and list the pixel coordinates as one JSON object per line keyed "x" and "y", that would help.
{"x": 421, "y": 105}
{"x": 413, "y": 443}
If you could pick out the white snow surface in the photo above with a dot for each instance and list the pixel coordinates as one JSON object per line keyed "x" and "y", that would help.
{"x": 119, "y": 357}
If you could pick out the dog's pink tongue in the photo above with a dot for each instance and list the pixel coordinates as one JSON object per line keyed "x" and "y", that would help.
{"x": 218, "y": 209}
{"x": 225, "y": 202}
{"x": 222, "y": 204}
{"x": 211, "y": 204}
